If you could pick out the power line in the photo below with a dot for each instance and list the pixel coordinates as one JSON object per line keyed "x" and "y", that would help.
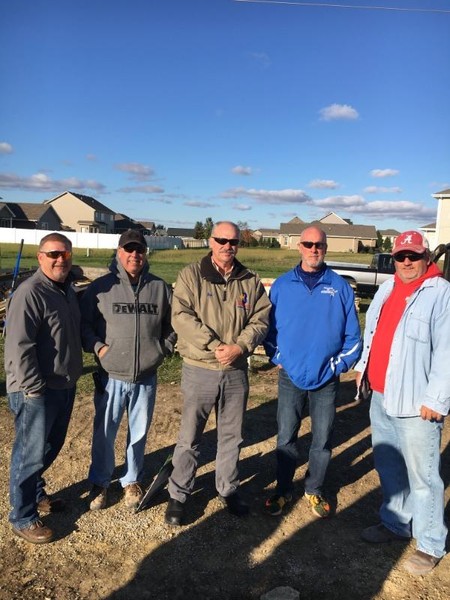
{"x": 329, "y": 5}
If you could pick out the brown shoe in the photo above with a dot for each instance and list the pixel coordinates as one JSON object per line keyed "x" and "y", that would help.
{"x": 36, "y": 533}
{"x": 132, "y": 495}
{"x": 50, "y": 505}
{"x": 98, "y": 497}
{"x": 420, "y": 563}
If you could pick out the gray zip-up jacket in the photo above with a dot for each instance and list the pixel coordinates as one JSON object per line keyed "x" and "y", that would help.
{"x": 43, "y": 344}
{"x": 134, "y": 323}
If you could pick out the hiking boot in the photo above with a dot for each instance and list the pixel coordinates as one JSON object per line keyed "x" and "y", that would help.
{"x": 236, "y": 506}
{"x": 98, "y": 497}
{"x": 49, "y": 505}
{"x": 275, "y": 504}
{"x": 420, "y": 563}
{"x": 132, "y": 495}
{"x": 35, "y": 533}
{"x": 379, "y": 534}
{"x": 319, "y": 506}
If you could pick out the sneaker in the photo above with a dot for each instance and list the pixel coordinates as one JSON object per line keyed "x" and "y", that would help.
{"x": 275, "y": 504}
{"x": 98, "y": 497}
{"x": 35, "y": 533}
{"x": 132, "y": 495}
{"x": 319, "y": 506}
{"x": 420, "y": 563}
{"x": 49, "y": 505}
{"x": 379, "y": 534}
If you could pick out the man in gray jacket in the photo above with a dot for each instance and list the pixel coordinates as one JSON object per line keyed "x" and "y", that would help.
{"x": 43, "y": 361}
{"x": 126, "y": 324}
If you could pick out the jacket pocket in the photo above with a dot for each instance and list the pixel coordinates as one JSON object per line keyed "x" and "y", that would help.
{"x": 418, "y": 328}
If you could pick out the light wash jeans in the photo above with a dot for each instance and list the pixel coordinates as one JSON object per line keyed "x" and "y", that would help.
{"x": 41, "y": 425}
{"x": 138, "y": 399}
{"x": 322, "y": 410}
{"x": 406, "y": 452}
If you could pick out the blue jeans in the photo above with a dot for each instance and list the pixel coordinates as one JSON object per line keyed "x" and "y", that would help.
{"x": 41, "y": 426}
{"x": 322, "y": 409}
{"x": 406, "y": 452}
{"x": 138, "y": 399}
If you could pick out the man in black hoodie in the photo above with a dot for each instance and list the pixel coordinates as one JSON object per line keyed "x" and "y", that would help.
{"x": 126, "y": 324}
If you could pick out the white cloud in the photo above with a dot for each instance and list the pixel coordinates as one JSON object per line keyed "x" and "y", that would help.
{"x": 384, "y": 172}
{"x": 242, "y": 207}
{"x": 42, "y": 182}
{"x": 137, "y": 171}
{"x": 287, "y": 196}
{"x": 199, "y": 204}
{"x": 341, "y": 201}
{"x": 262, "y": 59}
{"x": 374, "y": 189}
{"x": 239, "y": 170}
{"x": 336, "y": 112}
{"x": 6, "y": 148}
{"x": 323, "y": 184}
{"x": 142, "y": 189}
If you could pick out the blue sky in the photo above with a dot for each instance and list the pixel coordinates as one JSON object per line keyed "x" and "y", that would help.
{"x": 178, "y": 110}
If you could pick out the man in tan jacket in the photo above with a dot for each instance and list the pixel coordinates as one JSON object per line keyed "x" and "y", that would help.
{"x": 220, "y": 312}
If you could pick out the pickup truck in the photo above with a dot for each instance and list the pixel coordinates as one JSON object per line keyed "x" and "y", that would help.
{"x": 365, "y": 279}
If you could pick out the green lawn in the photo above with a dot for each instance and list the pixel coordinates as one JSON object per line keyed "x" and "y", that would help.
{"x": 267, "y": 262}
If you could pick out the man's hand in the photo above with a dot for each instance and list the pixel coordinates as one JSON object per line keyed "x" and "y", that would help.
{"x": 103, "y": 350}
{"x": 430, "y": 415}
{"x": 226, "y": 354}
{"x": 358, "y": 379}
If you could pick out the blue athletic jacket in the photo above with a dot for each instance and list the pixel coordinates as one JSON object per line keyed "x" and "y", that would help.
{"x": 314, "y": 334}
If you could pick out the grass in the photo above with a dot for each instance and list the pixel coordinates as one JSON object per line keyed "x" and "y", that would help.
{"x": 267, "y": 262}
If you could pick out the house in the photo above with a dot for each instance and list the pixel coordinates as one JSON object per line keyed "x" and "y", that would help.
{"x": 122, "y": 223}
{"x": 443, "y": 217}
{"x": 429, "y": 231}
{"x": 333, "y": 219}
{"x": 83, "y": 213}
{"x": 28, "y": 215}
{"x": 266, "y": 234}
{"x": 180, "y": 232}
{"x": 341, "y": 237}
{"x": 149, "y": 226}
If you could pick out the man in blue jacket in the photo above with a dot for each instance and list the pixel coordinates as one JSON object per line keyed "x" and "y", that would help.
{"x": 405, "y": 362}
{"x": 314, "y": 336}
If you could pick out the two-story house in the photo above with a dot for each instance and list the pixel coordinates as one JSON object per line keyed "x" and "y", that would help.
{"x": 83, "y": 213}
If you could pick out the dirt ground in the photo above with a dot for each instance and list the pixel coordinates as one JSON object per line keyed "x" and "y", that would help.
{"x": 115, "y": 554}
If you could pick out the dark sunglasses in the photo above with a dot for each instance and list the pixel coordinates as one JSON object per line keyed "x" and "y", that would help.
{"x": 223, "y": 241}
{"x": 129, "y": 248}
{"x": 318, "y": 245}
{"x": 412, "y": 256}
{"x": 65, "y": 254}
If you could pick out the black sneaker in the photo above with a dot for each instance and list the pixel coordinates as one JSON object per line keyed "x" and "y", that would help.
{"x": 275, "y": 504}
{"x": 236, "y": 506}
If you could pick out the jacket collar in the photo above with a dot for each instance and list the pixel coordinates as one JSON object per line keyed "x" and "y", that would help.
{"x": 211, "y": 274}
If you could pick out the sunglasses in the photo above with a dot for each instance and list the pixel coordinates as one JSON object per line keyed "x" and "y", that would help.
{"x": 412, "y": 256}
{"x": 318, "y": 245}
{"x": 223, "y": 241}
{"x": 129, "y": 248}
{"x": 65, "y": 254}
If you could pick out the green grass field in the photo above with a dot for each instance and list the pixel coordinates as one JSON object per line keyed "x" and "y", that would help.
{"x": 267, "y": 262}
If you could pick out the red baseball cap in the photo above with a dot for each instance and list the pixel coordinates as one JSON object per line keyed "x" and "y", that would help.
{"x": 411, "y": 240}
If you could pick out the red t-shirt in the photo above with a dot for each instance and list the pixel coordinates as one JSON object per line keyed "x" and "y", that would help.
{"x": 391, "y": 313}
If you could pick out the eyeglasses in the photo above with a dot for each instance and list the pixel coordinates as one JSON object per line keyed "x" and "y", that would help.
{"x": 318, "y": 245}
{"x": 223, "y": 241}
{"x": 130, "y": 248}
{"x": 412, "y": 256}
{"x": 65, "y": 254}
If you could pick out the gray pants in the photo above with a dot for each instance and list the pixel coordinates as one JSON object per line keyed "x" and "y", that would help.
{"x": 203, "y": 390}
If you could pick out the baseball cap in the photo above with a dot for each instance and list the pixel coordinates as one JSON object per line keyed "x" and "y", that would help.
{"x": 134, "y": 236}
{"x": 411, "y": 240}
